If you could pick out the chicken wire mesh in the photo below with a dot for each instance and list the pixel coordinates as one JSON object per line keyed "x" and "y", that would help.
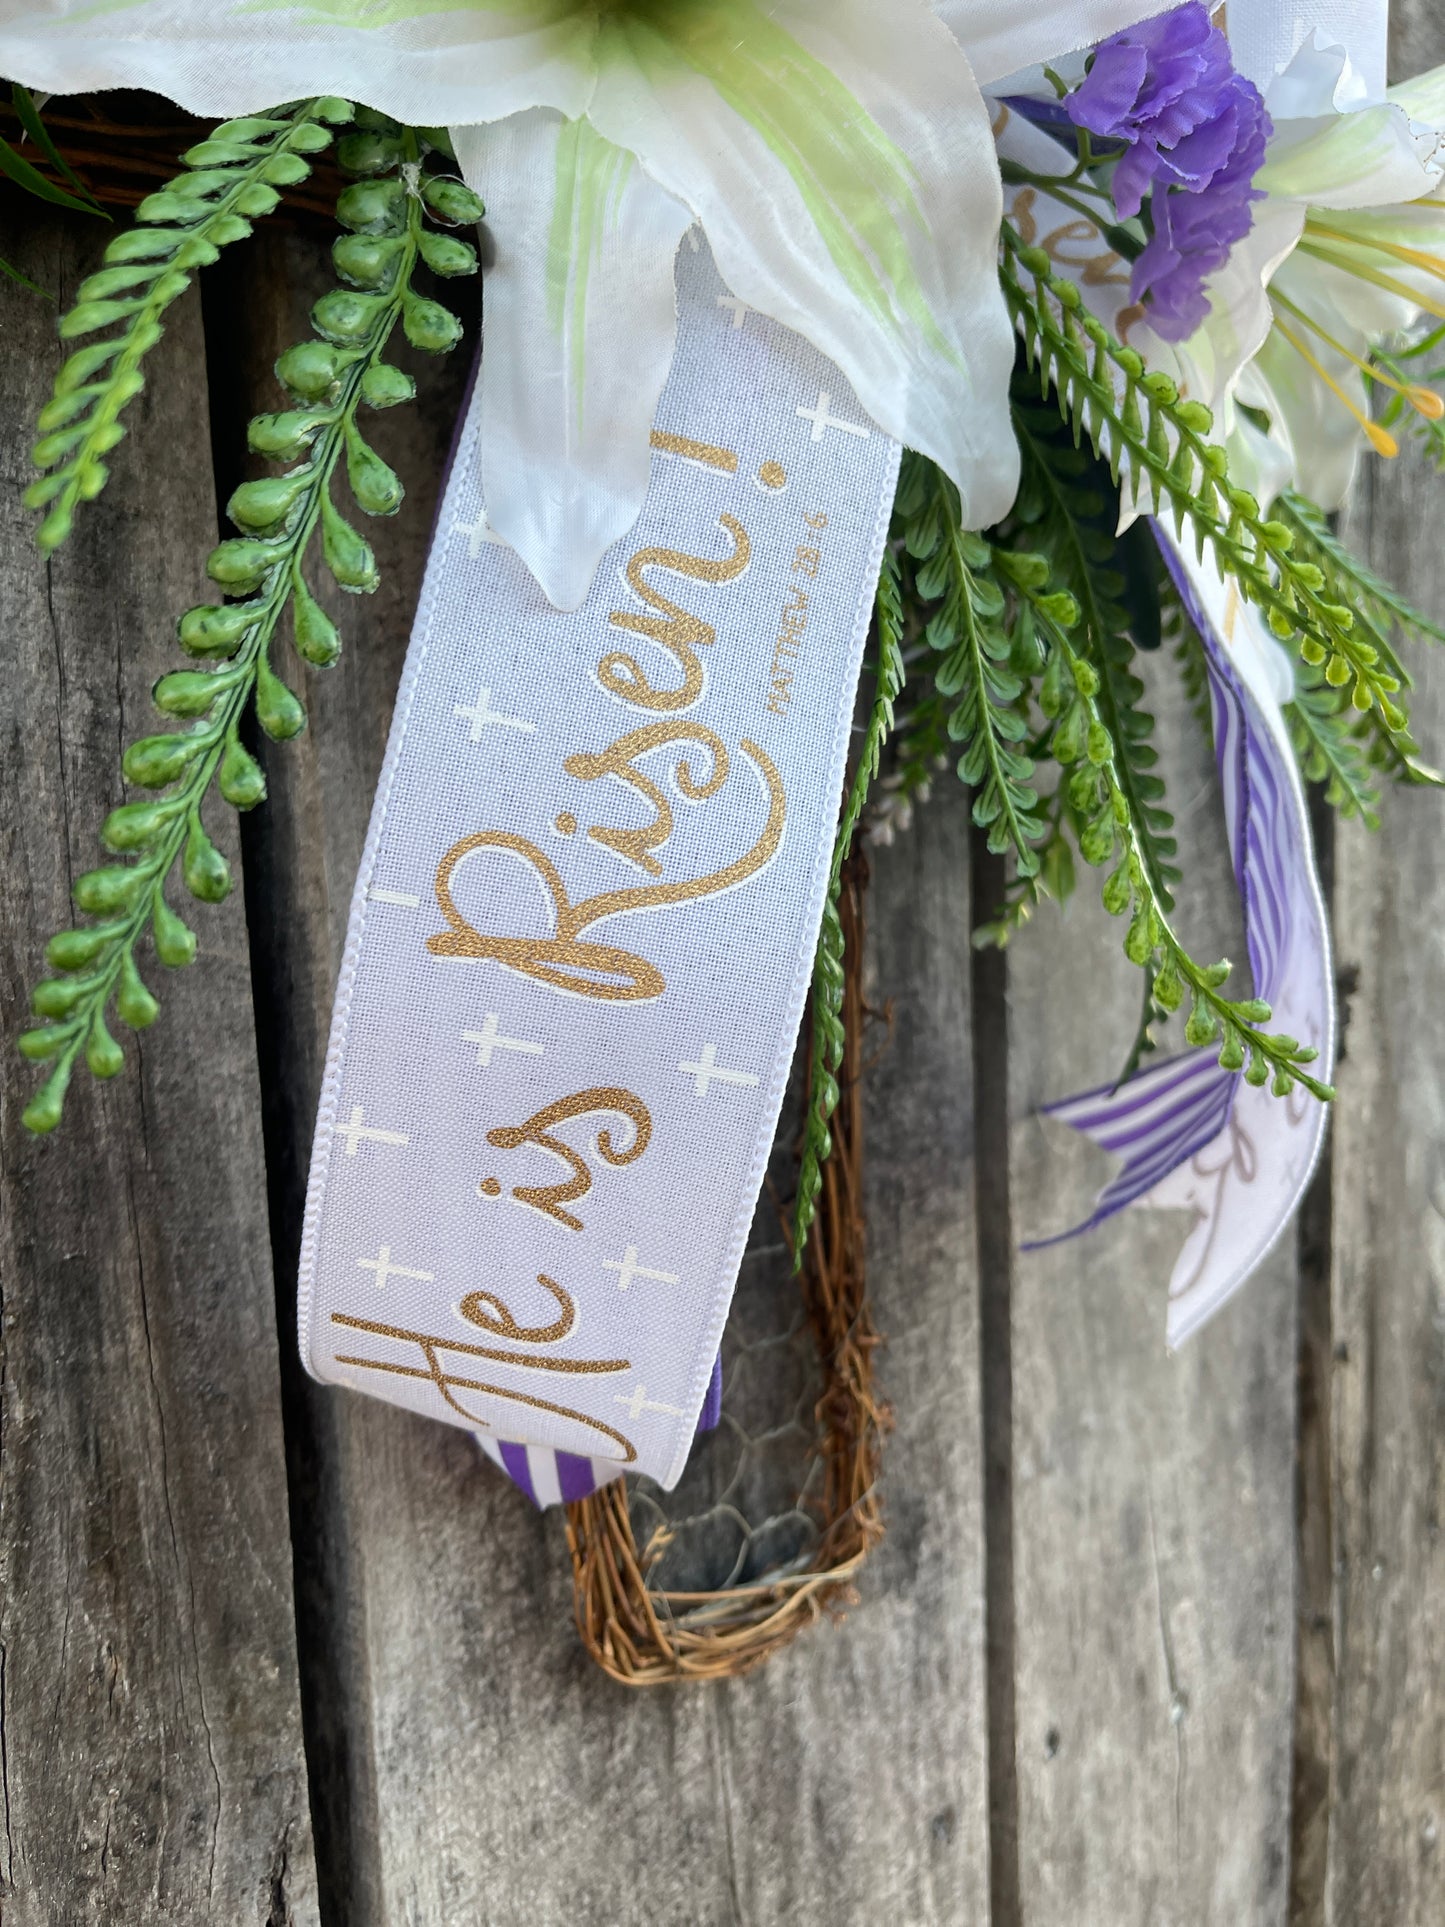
{"x": 778, "y": 1507}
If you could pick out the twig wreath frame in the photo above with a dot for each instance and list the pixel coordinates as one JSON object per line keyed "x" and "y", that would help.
{"x": 641, "y": 1636}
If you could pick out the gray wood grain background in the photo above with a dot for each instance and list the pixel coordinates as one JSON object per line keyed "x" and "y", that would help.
{"x": 1151, "y": 1640}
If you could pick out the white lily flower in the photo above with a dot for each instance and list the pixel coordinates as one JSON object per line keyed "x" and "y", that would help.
{"x": 836, "y": 152}
{"x": 1347, "y": 249}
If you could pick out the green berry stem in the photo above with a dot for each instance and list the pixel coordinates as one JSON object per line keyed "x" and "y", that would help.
{"x": 1151, "y": 943}
{"x": 278, "y": 516}
{"x": 828, "y": 1036}
{"x": 1139, "y": 421}
{"x": 232, "y": 177}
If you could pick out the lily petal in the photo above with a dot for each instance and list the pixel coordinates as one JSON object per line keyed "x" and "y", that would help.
{"x": 1367, "y": 156}
{"x": 1240, "y": 315}
{"x": 1323, "y": 439}
{"x": 1423, "y": 98}
{"x": 580, "y": 321}
{"x": 839, "y": 157}
{"x": 425, "y": 62}
{"x": 1377, "y": 269}
{"x": 1261, "y": 463}
{"x": 1370, "y": 158}
{"x": 1001, "y": 37}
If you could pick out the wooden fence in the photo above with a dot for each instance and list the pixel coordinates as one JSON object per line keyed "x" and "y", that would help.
{"x": 1151, "y": 1640}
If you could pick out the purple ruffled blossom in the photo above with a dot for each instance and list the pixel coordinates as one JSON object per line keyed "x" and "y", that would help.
{"x": 1193, "y": 133}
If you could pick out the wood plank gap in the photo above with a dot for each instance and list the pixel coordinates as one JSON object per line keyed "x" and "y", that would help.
{"x": 315, "y": 1508}
{"x": 989, "y": 989}
{"x": 1311, "y": 1770}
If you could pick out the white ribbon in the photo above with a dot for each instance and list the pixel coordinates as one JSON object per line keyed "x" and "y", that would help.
{"x": 585, "y": 923}
{"x": 1265, "y": 35}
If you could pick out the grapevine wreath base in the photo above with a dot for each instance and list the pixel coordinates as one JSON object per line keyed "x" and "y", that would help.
{"x": 644, "y": 1634}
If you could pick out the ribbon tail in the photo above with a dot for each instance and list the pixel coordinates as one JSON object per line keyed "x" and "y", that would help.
{"x": 1194, "y": 1136}
{"x": 1156, "y": 1122}
{"x": 557, "y": 1478}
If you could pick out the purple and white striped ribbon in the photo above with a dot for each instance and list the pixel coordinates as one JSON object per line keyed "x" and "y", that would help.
{"x": 1193, "y": 1135}
{"x": 557, "y": 1478}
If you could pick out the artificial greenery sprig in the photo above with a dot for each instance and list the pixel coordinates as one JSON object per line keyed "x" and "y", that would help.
{"x": 1004, "y": 606}
{"x": 1139, "y": 423}
{"x": 1391, "y": 617}
{"x": 828, "y": 1037}
{"x": 1337, "y": 745}
{"x": 1412, "y": 378}
{"x": 1325, "y": 734}
{"x": 233, "y": 176}
{"x": 329, "y": 378}
{"x": 68, "y": 192}
{"x": 976, "y": 671}
{"x": 1070, "y": 520}
{"x": 1068, "y": 694}
{"x": 1324, "y": 726}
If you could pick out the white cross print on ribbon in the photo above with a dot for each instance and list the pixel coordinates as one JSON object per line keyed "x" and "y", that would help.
{"x": 480, "y": 713}
{"x": 477, "y": 533}
{"x": 627, "y": 1268}
{"x": 489, "y": 1038}
{"x": 637, "y": 1402}
{"x": 822, "y": 421}
{"x": 707, "y": 1072}
{"x": 355, "y": 1131}
{"x": 383, "y": 1267}
{"x": 496, "y": 679}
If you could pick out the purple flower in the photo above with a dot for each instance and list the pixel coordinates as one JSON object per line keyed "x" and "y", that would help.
{"x": 1193, "y": 136}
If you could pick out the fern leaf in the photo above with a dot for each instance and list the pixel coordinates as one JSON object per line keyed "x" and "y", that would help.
{"x": 260, "y": 572}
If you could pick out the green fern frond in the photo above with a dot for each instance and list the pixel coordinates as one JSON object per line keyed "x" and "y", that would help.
{"x": 828, "y": 1036}
{"x": 1389, "y": 614}
{"x": 977, "y": 671}
{"x": 1342, "y": 744}
{"x": 1082, "y": 740}
{"x": 1054, "y": 881}
{"x": 918, "y": 751}
{"x": 1071, "y": 522}
{"x": 231, "y": 642}
{"x": 230, "y": 178}
{"x": 1324, "y": 731}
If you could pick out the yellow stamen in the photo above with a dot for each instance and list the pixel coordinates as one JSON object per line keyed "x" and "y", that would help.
{"x": 1362, "y": 272}
{"x": 1424, "y": 400}
{"x": 1412, "y": 257}
{"x": 1379, "y": 439}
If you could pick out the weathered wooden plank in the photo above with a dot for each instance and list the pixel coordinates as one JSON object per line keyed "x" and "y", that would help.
{"x": 1152, "y": 1494}
{"x": 1386, "y": 1859}
{"x": 302, "y": 851}
{"x": 484, "y": 1770}
{"x": 151, "y": 1754}
{"x": 1386, "y": 1816}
